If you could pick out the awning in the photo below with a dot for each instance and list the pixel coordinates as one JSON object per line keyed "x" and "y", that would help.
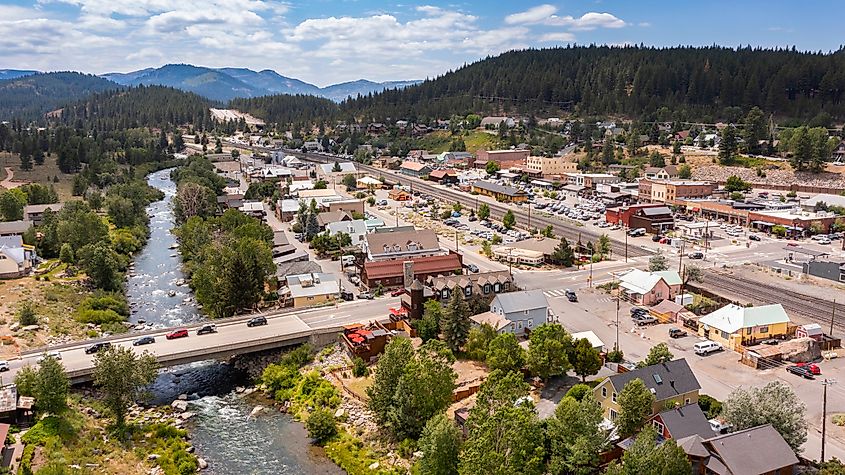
{"x": 575, "y": 188}
{"x": 762, "y": 223}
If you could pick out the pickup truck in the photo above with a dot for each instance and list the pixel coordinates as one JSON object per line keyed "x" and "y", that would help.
{"x": 677, "y": 333}
{"x": 642, "y": 320}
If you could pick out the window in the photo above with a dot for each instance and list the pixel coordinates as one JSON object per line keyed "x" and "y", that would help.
{"x": 764, "y": 329}
{"x": 687, "y": 401}
{"x": 658, "y": 427}
{"x": 613, "y": 415}
{"x": 525, "y": 312}
{"x": 445, "y": 293}
{"x": 748, "y": 331}
{"x": 496, "y": 287}
{"x": 604, "y": 391}
{"x": 468, "y": 291}
{"x": 486, "y": 289}
{"x": 519, "y": 324}
{"x": 613, "y": 397}
{"x": 530, "y": 322}
{"x": 506, "y": 285}
{"x": 725, "y": 335}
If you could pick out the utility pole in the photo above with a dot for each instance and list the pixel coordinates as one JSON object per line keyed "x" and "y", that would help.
{"x": 826, "y": 383}
{"x": 832, "y": 317}
{"x": 529, "y": 216}
{"x": 626, "y": 246}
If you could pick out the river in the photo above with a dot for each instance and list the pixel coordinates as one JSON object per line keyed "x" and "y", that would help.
{"x": 223, "y": 433}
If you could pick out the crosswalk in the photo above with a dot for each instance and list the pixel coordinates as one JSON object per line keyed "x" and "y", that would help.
{"x": 555, "y": 293}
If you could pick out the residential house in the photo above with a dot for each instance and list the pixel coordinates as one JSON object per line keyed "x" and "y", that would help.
{"x": 356, "y": 229}
{"x": 15, "y": 257}
{"x": 591, "y": 337}
{"x": 415, "y": 169}
{"x": 681, "y": 422}
{"x": 34, "y": 214}
{"x": 838, "y": 153}
{"x": 759, "y": 450}
{"x": 444, "y": 176}
{"x": 661, "y": 173}
{"x": 707, "y": 140}
{"x": 253, "y": 208}
{"x": 672, "y": 383}
{"x": 351, "y": 206}
{"x": 14, "y": 228}
{"x": 551, "y": 166}
{"x": 402, "y": 245}
{"x": 516, "y": 312}
{"x": 484, "y": 284}
{"x": 286, "y": 209}
{"x": 649, "y": 288}
{"x": 312, "y": 289}
{"x": 734, "y": 326}
{"x": 395, "y": 272}
{"x": 490, "y": 122}
{"x": 281, "y": 245}
{"x": 500, "y": 192}
{"x": 325, "y": 218}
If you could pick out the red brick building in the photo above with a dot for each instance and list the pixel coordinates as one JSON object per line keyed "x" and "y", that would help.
{"x": 622, "y": 214}
{"x": 391, "y": 273}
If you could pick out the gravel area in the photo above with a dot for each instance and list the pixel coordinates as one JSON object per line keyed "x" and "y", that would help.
{"x": 779, "y": 177}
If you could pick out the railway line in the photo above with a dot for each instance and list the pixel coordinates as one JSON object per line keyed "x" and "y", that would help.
{"x": 816, "y": 309}
{"x": 497, "y": 210}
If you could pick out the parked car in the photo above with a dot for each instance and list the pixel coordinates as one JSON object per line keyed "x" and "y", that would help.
{"x": 656, "y": 238}
{"x": 638, "y": 311}
{"x": 770, "y": 341}
{"x": 696, "y": 255}
{"x": 365, "y": 296}
{"x": 802, "y": 371}
{"x": 257, "y": 321}
{"x": 4, "y": 366}
{"x": 50, "y": 354}
{"x": 706, "y": 347}
{"x": 814, "y": 368}
{"x": 571, "y": 295}
{"x": 753, "y": 237}
{"x": 824, "y": 241}
{"x": 472, "y": 268}
{"x": 397, "y": 292}
{"x": 180, "y": 333}
{"x": 642, "y": 320}
{"x": 636, "y": 232}
{"x": 144, "y": 340}
{"x": 97, "y": 347}
{"x": 677, "y": 333}
{"x": 207, "y": 329}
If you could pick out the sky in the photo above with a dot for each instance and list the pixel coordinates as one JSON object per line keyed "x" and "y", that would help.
{"x": 330, "y": 41}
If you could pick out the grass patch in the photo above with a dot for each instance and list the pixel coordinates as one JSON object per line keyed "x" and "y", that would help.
{"x": 359, "y": 386}
{"x": 353, "y": 456}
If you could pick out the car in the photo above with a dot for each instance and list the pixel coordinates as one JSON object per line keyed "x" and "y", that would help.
{"x": 4, "y": 366}
{"x": 824, "y": 241}
{"x": 397, "y": 292}
{"x": 207, "y": 329}
{"x": 753, "y": 237}
{"x": 144, "y": 340}
{"x": 636, "y": 232}
{"x": 696, "y": 255}
{"x": 366, "y": 296}
{"x": 770, "y": 341}
{"x": 472, "y": 218}
{"x": 814, "y": 368}
{"x": 704, "y": 348}
{"x": 472, "y": 268}
{"x": 571, "y": 295}
{"x": 97, "y": 347}
{"x": 656, "y": 238}
{"x": 180, "y": 333}
{"x": 802, "y": 371}
{"x": 638, "y": 311}
{"x": 257, "y": 321}
{"x": 354, "y": 279}
{"x": 50, "y": 354}
{"x": 677, "y": 333}
{"x": 642, "y": 320}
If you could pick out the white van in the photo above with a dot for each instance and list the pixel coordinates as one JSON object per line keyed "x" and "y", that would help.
{"x": 706, "y": 347}
{"x": 4, "y": 366}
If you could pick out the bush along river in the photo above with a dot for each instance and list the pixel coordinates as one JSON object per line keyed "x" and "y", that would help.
{"x": 227, "y": 430}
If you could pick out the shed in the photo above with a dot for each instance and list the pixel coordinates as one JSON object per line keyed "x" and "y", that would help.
{"x": 588, "y": 335}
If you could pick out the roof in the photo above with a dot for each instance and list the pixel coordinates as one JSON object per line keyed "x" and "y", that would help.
{"x": 288, "y": 206}
{"x": 280, "y": 239}
{"x": 8, "y": 398}
{"x": 327, "y": 217}
{"x": 4, "y": 431}
{"x": 675, "y": 378}
{"x": 345, "y": 167}
{"x": 368, "y": 180}
{"x": 309, "y": 285}
{"x": 642, "y": 282}
{"x": 684, "y": 421}
{"x": 521, "y": 301}
{"x": 731, "y": 318}
{"x": 658, "y": 211}
{"x": 450, "y": 281}
{"x": 13, "y": 227}
{"x": 16, "y": 254}
{"x": 354, "y": 227}
{"x": 667, "y": 306}
{"x": 386, "y": 244}
{"x": 422, "y": 265}
{"x": 671, "y": 277}
{"x": 443, "y": 173}
{"x": 752, "y": 451}
{"x": 416, "y": 166}
{"x": 318, "y": 193}
{"x": 29, "y": 209}
{"x": 588, "y": 335}
{"x": 693, "y": 445}
{"x": 297, "y": 267}
{"x": 831, "y": 200}
{"x": 496, "y": 321}
{"x": 496, "y": 188}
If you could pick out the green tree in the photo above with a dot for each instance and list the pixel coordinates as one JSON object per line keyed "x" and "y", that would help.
{"x": 658, "y": 262}
{"x": 484, "y": 211}
{"x": 575, "y": 436}
{"x": 455, "y": 322}
{"x": 51, "y": 386}
{"x": 440, "y": 444}
{"x": 775, "y": 404}
{"x": 656, "y": 159}
{"x": 26, "y": 381}
{"x": 635, "y": 404}
{"x": 505, "y": 354}
{"x": 607, "y": 155}
{"x": 548, "y": 232}
{"x": 11, "y": 204}
{"x": 728, "y": 146}
{"x": 487, "y": 249}
{"x": 754, "y": 131}
{"x": 478, "y": 341}
{"x": 832, "y": 467}
{"x": 509, "y": 220}
{"x": 428, "y": 326}
{"x": 349, "y": 181}
{"x": 66, "y": 254}
{"x": 102, "y": 265}
{"x": 193, "y": 199}
{"x": 27, "y": 315}
{"x": 548, "y": 347}
{"x": 492, "y": 167}
{"x": 603, "y": 247}
{"x": 563, "y": 254}
{"x": 336, "y": 168}
{"x": 646, "y": 457}
{"x": 735, "y": 183}
{"x": 321, "y": 426}
{"x": 684, "y": 172}
{"x": 390, "y": 367}
{"x": 123, "y": 376}
{"x": 587, "y": 360}
{"x": 658, "y": 353}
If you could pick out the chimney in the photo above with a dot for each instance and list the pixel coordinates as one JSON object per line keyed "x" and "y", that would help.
{"x": 407, "y": 273}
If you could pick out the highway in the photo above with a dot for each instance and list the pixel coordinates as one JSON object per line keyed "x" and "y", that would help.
{"x": 233, "y": 337}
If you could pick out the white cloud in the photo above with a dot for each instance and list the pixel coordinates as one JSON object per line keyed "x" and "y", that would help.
{"x": 644, "y": 24}
{"x": 587, "y": 21}
{"x": 560, "y": 37}
{"x": 532, "y": 15}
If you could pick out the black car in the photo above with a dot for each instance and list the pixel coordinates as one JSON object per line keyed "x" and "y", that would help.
{"x": 206, "y": 329}
{"x": 656, "y": 238}
{"x": 256, "y": 321}
{"x": 144, "y": 340}
{"x": 753, "y": 237}
{"x": 97, "y": 347}
{"x": 802, "y": 371}
{"x": 571, "y": 295}
{"x": 636, "y": 311}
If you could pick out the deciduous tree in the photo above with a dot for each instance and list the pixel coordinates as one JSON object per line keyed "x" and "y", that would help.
{"x": 440, "y": 444}
{"x": 587, "y": 361}
{"x": 658, "y": 353}
{"x": 635, "y": 404}
{"x": 505, "y": 354}
{"x": 548, "y": 347}
{"x": 123, "y": 376}
{"x": 774, "y": 403}
{"x": 509, "y": 220}
{"x": 575, "y": 436}
{"x": 390, "y": 367}
{"x": 645, "y": 457}
{"x": 478, "y": 341}
{"x": 51, "y": 386}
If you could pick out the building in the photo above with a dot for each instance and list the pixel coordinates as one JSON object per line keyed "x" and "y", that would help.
{"x": 444, "y": 176}
{"x": 822, "y": 201}
{"x": 494, "y": 122}
{"x": 649, "y": 288}
{"x": 15, "y": 257}
{"x": 392, "y": 273}
{"x": 304, "y": 290}
{"x": 661, "y": 173}
{"x": 365, "y": 341}
{"x": 253, "y": 208}
{"x": 591, "y": 337}
{"x": 383, "y": 246}
{"x": 416, "y": 169}
{"x": 734, "y": 326}
{"x": 681, "y": 422}
{"x": 516, "y": 312}
{"x": 500, "y": 192}
{"x": 505, "y": 158}
{"x": 398, "y": 194}
{"x": 281, "y": 245}
{"x": 286, "y": 209}
{"x": 356, "y": 229}
{"x": 34, "y": 214}
{"x": 550, "y": 166}
{"x": 484, "y": 284}
{"x": 351, "y": 206}
{"x": 368, "y": 183}
{"x": 622, "y": 214}
{"x": 533, "y": 251}
{"x": 826, "y": 269}
{"x": 589, "y": 181}
{"x": 670, "y": 191}
{"x": 328, "y": 217}
{"x": 14, "y": 228}
{"x": 758, "y": 450}
{"x": 796, "y": 221}
{"x": 654, "y": 220}
{"x": 672, "y": 383}
{"x": 331, "y": 169}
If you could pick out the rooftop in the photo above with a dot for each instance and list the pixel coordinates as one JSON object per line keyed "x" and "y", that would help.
{"x": 642, "y": 282}
{"x": 731, "y": 318}
{"x": 416, "y": 166}
{"x": 422, "y": 265}
{"x": 496, "y": 321}
{"x": 313, "y": 284}
{"x": 345, "y": 167}
{"x": 666, "y": 380}
{"x": 396, "y": 243}
{"x": 521, "y": 301}
{"x": 685, "y": 421}
{"x": 29, "y": 209}
{"x": 751, "y": 451}
{"x": 497, "y": 188}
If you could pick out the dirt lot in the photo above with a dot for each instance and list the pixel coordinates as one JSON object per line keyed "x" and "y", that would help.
{"x": 39, "y": 174}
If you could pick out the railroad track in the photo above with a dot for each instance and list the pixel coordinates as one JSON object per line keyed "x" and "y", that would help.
{"x": 497, "y": 210}
{"x": 815, "y": 309}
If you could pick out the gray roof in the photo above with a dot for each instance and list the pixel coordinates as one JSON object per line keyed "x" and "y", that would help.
{"x": 28, "y": 209}
{"x": 11, "y": 241}
{"x": 658, "y": 211}
{"x": 675, "y": 378}
{"x": 352, "y": 228}
{"x": 13, "y": 227}
{"x": 685, "y": 421}
{"x": 299, "y": 267}
{"x": 345, "y": 167}
{"x": 520, "y": 301}
{"x": 497, "y": 188}
{"x": 752, "y": 451}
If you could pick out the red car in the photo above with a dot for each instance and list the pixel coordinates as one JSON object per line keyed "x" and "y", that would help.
{"x": 180, "y": 333}
{"x": 397, "y": 292}
{"x": 814, "y": 368}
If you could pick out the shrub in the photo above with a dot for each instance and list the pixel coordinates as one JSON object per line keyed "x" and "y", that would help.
{"x": 321, "y": 426}
{"x": 615, "y": 356}
{"x": 106, "y": 301}
{"x": 26, "y": 315}
{"x": 359, "y": 368}
{"x": 709, "y": 405}
{"x": 98, "y": 317}
{"x": 578, "y": 391}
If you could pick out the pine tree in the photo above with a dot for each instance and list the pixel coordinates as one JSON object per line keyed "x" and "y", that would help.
{"x": 455, "y": 323}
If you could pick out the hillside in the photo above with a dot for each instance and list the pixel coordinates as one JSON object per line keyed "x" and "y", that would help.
{"x": 30, "y": 97}
{"x": 285, "y": 108}
{"x": 692, "y": 83}
{"x": 15, "y": 73}
{"x": 342, "y": 91}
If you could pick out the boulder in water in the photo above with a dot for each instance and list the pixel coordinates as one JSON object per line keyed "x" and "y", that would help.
{"x": 179, "y": 405}
{"x": 202, "y": 464}
{"x": 255, "y": 411}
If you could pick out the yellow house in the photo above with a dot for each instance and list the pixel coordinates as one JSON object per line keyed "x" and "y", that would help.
{"x": 672, "y": 383}
{"x": 306, "y": 290}
{"x": 733, "y": 325}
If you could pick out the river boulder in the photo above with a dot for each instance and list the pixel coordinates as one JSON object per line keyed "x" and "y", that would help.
{"x": 179, "y": 405}
{"x": 202, "y": 464}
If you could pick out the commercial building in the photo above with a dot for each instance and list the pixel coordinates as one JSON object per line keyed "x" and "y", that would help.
{"x": 502, "y": 157}
{"x": 444, "y": 176}
{"x": 484, "y": 284}
{"x": 416, "y": 169}
{"x": 500, "y": 192}
{"x": 534, "y": 251}
{"x": 589, "y": 181}
{"x": 670, "y": 191}
{"x": 402, "y": 244}
{"x": 796, "y": 221}
{"x": 550, "y": 166}
{"x": 734, "y": 326}
{"x": 304, "y": 290}
{"x": 392, "y": 273}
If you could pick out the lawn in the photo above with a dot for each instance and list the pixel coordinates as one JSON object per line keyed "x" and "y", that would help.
{"x": 475, "y": 140}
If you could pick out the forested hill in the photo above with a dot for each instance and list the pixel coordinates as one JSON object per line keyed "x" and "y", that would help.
{"x": 29, "y": 97}
{"x": 286, "y": 108}
{"x": 141, "y": 106}
{"x": 633, "y": 81}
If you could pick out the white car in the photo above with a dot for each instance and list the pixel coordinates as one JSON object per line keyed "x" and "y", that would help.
{"x": 50, "y": 354}
{"x": 824, "y": 241}
{"x": 706, "y": 347}
{"x": 4, "y": 366}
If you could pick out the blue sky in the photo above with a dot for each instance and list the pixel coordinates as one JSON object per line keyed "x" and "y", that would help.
{"x": 328, "y": 41}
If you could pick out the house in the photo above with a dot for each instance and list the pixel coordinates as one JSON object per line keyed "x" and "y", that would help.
{"x": 734, "y": 326}
{"x": 444, "y": 176}
{"x": 661, "y": 173}
{"x": 591, "y": 337}
{"x": 495, "y": 121}
{"x": 398, "y": 194}
{"x": 648, "y": 288}
{"x": 672, "y": 383}
{"x": 368, "y": 183}
{"x": 253, "y": 208}
{"x": 758, "y": 450}
{"x": 356, "y": 229}
{"x": 312, "y": 289}
{"x": 324, "y": 219}
{"x": 500, "y": 192}
{"x": 365, "y": 341}
{"x": 15, "y": 257}
{"x": 34, "y": 214}
{"x": 402, "y": 245}
{"x": 286, "y": 209}
{"x": 810, "y": 330}
{"x": 485, "y": 284}
{"x": 393, "y": 273}
{"x": 415, "y": 169}
{"x": 681, "y": 422}
{"x": 707, "y": 140}
{"x": 516, "y": 312}
{"x": 667, "y": 311}
{"x": 14, "y": 228}
{"x": 281, "y": 245}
